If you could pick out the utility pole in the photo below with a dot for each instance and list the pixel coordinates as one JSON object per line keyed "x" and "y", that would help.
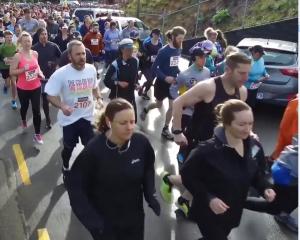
{"x": 138, "y": 9}
{"x": 197, "y": 18}
{"x": 245, "y": 12}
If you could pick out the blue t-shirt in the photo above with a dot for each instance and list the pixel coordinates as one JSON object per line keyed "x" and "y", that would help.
{"x": 258, "y": 70}
{"x": 166, "y": 63}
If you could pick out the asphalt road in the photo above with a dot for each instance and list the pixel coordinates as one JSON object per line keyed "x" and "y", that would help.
{"x": 44, "y": 204}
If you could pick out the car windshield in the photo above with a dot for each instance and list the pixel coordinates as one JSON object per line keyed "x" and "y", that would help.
{"x": 81, "y": 13}
{"x": 137, "y": 24}
{"x": 277, "y": 58}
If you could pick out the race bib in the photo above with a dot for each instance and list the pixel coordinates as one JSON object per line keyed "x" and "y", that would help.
{"x": 82, "y": 102}
{"x": 153, "y": 58}
{"x": 174, "y": 61}
{"x": 254, "y": 86}
{"x": 31, "y": 75}
{"x": 114, "y": 43}
{"x": 94, "y": 42}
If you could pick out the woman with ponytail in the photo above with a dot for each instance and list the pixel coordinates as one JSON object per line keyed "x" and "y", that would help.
{"x": 219, "y": 172}
{"x": 110, "y": 176}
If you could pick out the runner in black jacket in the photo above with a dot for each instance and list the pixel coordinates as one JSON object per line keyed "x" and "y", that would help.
{"x": 110, "y": 176}
{"x": 219, "y": 172}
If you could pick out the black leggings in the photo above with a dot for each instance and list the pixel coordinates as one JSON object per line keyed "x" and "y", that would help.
{"x": 212, "y": 230}
{"x": 149, "y": 79}
{"x": 34, "y": 96}
{"x": 286, "y": 201}
{"x": 121, "y": 233}
{"x": 251, "y": 98}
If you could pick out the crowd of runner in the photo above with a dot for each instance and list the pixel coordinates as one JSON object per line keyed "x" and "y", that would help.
{"x": 46, "y": 54}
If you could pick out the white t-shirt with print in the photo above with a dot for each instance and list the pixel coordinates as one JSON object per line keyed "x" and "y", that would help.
{"x": 74, "y": 88}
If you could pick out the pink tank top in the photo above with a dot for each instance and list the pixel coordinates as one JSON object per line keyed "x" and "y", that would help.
{"x": 30, "y": 79}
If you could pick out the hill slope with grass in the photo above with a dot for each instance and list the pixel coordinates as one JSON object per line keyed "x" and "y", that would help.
{"x": 223, "y": 14}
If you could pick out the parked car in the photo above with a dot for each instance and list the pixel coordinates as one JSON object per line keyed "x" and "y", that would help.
{"x": 281, "y": 61}
{"x": 81, "y": 12}
{"x": 122, "y": 22}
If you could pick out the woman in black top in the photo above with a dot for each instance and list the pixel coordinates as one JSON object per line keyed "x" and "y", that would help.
{"x": 219, "y": 172}
{"x": 110, "y": 176}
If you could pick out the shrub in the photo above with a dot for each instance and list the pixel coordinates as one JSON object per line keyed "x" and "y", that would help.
{"x": 221, "y": 16}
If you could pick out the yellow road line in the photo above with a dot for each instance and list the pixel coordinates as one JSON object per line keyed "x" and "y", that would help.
{"x": 43, "y": 234}
{"x": 23, "y": 169}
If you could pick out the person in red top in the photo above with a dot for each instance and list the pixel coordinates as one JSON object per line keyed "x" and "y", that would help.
{"x": 288, "y": 127}
{"x": 94, "y": 42}
{"x": 25, "y": 66}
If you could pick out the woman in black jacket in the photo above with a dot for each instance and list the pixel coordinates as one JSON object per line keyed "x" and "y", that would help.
{"x": 110, "y": 176}
{"x": 219, "y": 172}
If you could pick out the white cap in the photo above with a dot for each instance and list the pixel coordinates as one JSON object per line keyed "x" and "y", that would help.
{"x": 126, "y": 43}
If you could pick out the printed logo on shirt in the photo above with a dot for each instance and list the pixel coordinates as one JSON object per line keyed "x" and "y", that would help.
{"x": 254, "y": 151}
{"x": 135, "y": 161}
{"x": 174, "y": 61}
{"x": 192, "y": 82}
{"x": 81, "y": 85}
{"x": 153, "y": 58}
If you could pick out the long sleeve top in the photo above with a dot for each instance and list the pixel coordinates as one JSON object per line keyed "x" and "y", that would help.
{"x": 106, "y": 184}
{"x": 214, "y": 169}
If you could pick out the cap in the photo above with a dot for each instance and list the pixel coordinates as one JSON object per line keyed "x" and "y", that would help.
{"x": 134, "y": 34}
{"x": 77, "y": 35}
{"x": 95, "y": 24}
{"x": 126, "y": 43}
{"x": 257, "y": 48}
{"x": 197, "y": 51}
{"x": 206, "y": 46}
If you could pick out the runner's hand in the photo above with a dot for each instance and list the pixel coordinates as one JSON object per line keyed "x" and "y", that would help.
{"x": 170, "y": 80}
{"x": 67, "y": 110}
{"x": 180, "y": 139}
{"x": 99, "y": 104}
{"x": 123, "y": 84}
{"x": 218, "y": 206}
{"x": 269, "y": 195}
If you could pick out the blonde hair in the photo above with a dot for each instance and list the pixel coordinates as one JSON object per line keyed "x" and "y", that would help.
{"x": 208, "y": 31}
{"x": 230, "y": 49}
{"x": 236, "y": 58}
{"x": 23, "y": 34}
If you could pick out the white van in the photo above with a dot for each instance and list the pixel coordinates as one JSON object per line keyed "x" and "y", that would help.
{"x": 122, "y": 22}
{"x": 81, "y": 12}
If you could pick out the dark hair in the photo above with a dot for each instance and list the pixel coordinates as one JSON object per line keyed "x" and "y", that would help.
{"x": 221, "y": 38}
{"x": 225, "y": 111}
{"x": 40, "y": 30}
{"x": 8, "y": 32}
{"x": 175, "y": 31}
{"x": 112, "y": 108}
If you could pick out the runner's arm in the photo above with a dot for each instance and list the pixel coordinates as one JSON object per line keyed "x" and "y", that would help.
{"x": 194, "y": 95}
{"x": 14, "y": 70}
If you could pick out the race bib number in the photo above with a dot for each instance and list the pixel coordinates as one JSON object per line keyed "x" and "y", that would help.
{"x": 31, "y": 75}
{"x": 153, "y": 58}
{"x": 114, "y": 43}
{"x": 174, "y": 61}
{"x": 82, "y": 102}
{"x": 254, "y": 86}
{"x": 94, "y": 42}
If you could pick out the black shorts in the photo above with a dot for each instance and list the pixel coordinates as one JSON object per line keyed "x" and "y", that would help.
{"x": 5, "y": 73}
{"x": 161, "y": 90}
{"x": 82, "y": 129}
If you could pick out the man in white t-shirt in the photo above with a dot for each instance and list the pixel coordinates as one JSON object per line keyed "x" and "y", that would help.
{"x": 72, "y": 89}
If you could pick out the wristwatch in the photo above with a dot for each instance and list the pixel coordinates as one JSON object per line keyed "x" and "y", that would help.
{"x": 177, "y": 132}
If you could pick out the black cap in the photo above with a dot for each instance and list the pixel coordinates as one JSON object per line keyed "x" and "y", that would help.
{"x": 257, "y": 48}
{"x": 198, "y": 52}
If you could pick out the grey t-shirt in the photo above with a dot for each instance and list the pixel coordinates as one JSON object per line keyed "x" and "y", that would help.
{"x": 186, "y": 80}
{"x": 29, "y": 26}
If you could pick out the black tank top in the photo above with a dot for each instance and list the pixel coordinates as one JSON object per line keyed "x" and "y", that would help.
{"x": 203, "y": 119}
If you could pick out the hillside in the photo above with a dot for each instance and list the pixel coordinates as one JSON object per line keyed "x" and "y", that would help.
{"x": 223, "y": 14}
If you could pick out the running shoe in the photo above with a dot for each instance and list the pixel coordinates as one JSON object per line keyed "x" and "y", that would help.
{"x": 288, "y": 221}
{"x": 24, "y": 124}
{"x": 183, "y": 205}
{"x": 166, "y": 189}
{"x": 145, "y": 96}
{"x": 167, "y": 134}
{"x": 38, "y": 139}
{"x": 14, "y": 104}
{"x": 143, "y": 114}
{"x": 5, "y": 90}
